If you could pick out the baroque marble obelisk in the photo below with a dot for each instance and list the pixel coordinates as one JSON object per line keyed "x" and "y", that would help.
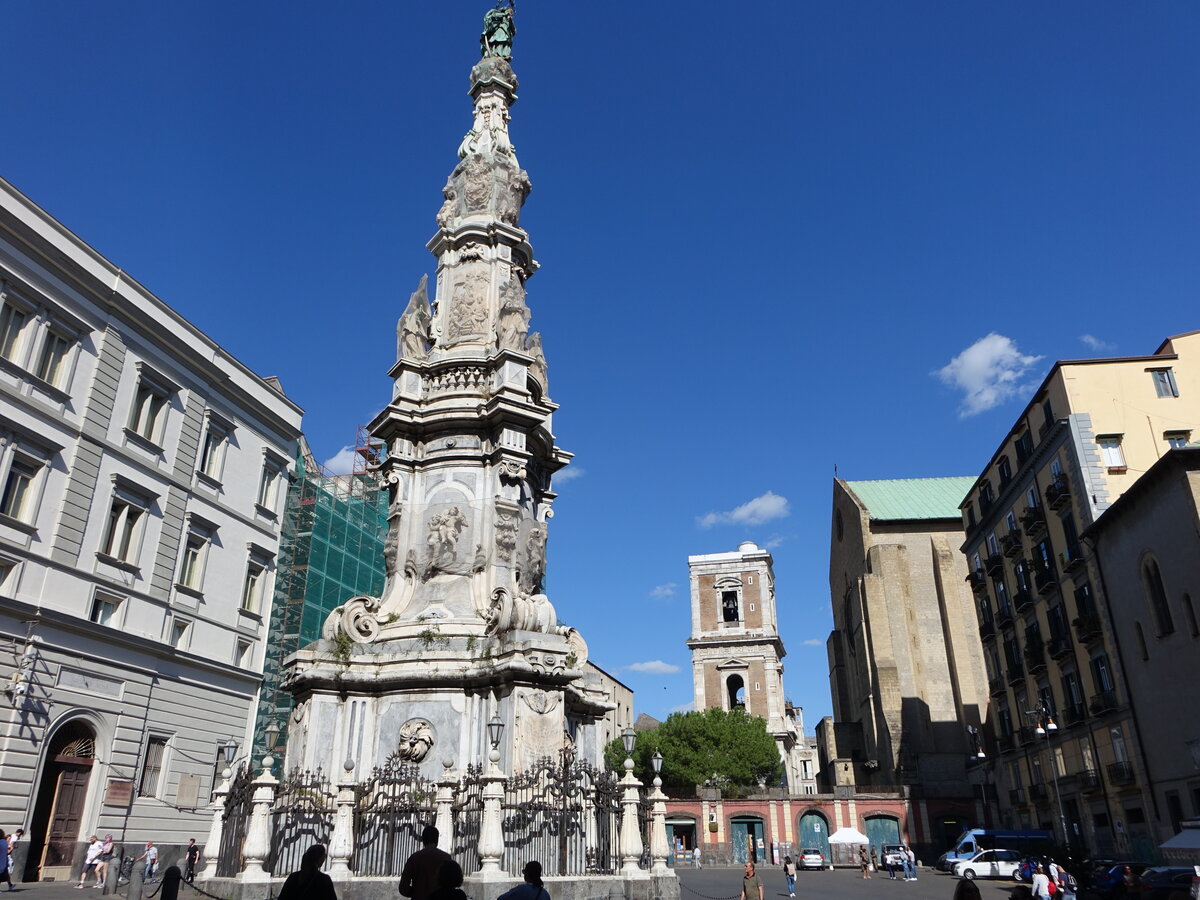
{"x": 463, "y": 629}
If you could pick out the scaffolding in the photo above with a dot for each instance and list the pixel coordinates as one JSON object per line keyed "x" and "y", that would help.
{"x": 331, "y": 549}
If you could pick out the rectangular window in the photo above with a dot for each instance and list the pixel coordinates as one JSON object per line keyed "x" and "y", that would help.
{"x": 152, "y": 767}
{"x": 1005, "y": 471}
{"x": 1101, "y": 672}
{"x": 1001, "y": 597}
{"x": 52, "y": 364}
{"x": 104, "y": 610}
{"x": 1110, "y": 451}
{"x": 268, "y": 486}
{"x": 212, "y": 452}
{"x": 1164, "y": 383}
{"x": 179, "y": 634}
{"x": 1024, "y": 447}
{"x": 256, "y": 574}
{"x": 986, "y": 497}
{"x": 1011, "y": 521}
{"x": 993, "y": 544}
{"x": 1177, "y": 439}
{"x": 1055, "y": 468}
{"x": 1071, "y": 689}
{"x": 12, "y": 325}
{"x": 1047, "y": 414}
{"x": 124, "y": 530}
{"x": 20, "y": 488}
{"x": 191, "y": 569}
{"x": 149, "y": 412}
{"x": 1032, "y": 501}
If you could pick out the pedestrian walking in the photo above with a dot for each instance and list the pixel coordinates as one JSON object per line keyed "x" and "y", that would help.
{"x": 4, "y": 876}
{"x": 789, "y": 872}
{"x": 151, "y": 858}
{"x": 910, "y": 864}
{"x": 12, "y": 844}
{"x": 874, "y": 859}
{"x": 1041, "y": 884}
{"x": 191, "y": 856}
{"x": 752, "y": 888}
{"x": 91, "y": 860}
{"x": 863, "y": 861}
{"x": 418, "y": 879}
{"x": 309, "y": 882}
{"x": 106, "y": 854}
{"x": 696, "y": 857}
{"x": 532, "y": 888}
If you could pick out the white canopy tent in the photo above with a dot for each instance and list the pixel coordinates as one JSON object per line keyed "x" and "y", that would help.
{"x": 848, "y": 836}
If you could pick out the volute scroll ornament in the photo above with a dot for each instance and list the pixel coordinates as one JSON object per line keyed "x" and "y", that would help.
{"x": 358, "y": 618}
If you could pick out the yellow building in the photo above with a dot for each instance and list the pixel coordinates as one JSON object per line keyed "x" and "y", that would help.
{"x": 1092, "y": 428}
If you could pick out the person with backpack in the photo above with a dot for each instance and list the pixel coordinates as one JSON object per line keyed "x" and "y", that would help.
{"x": 789, "y": 872}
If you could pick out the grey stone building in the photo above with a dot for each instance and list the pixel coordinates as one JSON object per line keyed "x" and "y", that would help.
{"x": 142, "y": 470}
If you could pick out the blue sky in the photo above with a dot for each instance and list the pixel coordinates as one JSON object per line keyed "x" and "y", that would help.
{"x": 765, "y": 230}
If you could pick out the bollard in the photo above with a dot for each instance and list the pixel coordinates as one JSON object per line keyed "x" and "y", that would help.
{"x": 111, "y": 874}
{"x": 135, "y": 882}
{"x": 170, "y": 883}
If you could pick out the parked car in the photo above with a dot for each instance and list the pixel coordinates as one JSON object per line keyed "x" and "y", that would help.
{"x": 1165, "y": 883}
{"x": 893, "y": 853}
{"x": 1108, "y": 878}
{"x": 989, "y": 864}
{"x": 812, "y": 859}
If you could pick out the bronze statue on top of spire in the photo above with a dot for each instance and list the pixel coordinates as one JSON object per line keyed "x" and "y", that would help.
{"x": 498, "y": 31}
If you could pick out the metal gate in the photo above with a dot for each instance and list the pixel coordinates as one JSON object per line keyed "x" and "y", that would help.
{"x": 467, "y": 813}
{"x": 391, "y": 808}
{"x": 563, "y": 812}
{"x": 302, "y": 816}
{"x": 235, "y": 820}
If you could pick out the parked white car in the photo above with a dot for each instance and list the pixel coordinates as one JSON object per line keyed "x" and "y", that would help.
{"x": 989, "y": 864}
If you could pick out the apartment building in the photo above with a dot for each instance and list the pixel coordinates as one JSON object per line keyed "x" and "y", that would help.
{"x": 142, "y": 476}
{"x": 1062, "y": 747}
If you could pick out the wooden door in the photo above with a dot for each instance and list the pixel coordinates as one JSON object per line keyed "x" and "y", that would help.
{"x": 62, "y": 836}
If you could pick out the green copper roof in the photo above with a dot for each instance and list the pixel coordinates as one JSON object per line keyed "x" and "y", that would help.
{"x": 913, "y": 498}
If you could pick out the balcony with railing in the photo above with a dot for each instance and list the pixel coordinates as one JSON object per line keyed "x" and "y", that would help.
{"x": 1022, "y": 600}
{"x": 1033, "y": 521}
{"x": 1026, "y": 735}
{"x": 1006, "y": 743}
{"x": 1004, "y": 617}
{"x": 997, "y": 686}
{"x": 1074, "y": 713}
{"x": 1058, "y": 493}
{"x": 1120, "y": 773}
{"x": 1035, "y": 656}
{"x": 1105, "y": 701}
{"x": 993, "y": 564}
{"x": 987, "y": 628}
{"x": 1045, "y": 579}
{"x": 978, "y": 581}
{"x": 1059, "y": 646}
{"x": 1071, "y": 559}
{"x": 1010, "y": 544}
{"x": 1087, "y": 628}
{"x": 1016, "y": 674}
{"x": 1016, "y": 796}
{"x": 1089, "y": 780}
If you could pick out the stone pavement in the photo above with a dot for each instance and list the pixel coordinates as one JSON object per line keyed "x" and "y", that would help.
{"x": 726, "y": 884}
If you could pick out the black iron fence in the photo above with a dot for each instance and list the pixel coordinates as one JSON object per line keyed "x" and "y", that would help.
{"x": 391, "y": 808}
{"x": 234, "y": 822}
{"x": 302, "y": 816}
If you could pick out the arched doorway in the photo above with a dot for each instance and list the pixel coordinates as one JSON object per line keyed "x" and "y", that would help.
{"x": 748, "y": 840}
{"x": 882, "y": 830}
{"x": 814, "y": 834}
{"x": 57, "y": 820}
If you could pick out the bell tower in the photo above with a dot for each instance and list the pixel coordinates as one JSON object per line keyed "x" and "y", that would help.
{"x": 737, "y": 654}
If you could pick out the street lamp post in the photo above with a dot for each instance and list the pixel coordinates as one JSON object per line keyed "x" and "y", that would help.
{"x": 1044, "y": 722}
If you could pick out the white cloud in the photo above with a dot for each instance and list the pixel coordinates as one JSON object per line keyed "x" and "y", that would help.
{"x": 653, "y": 667}
{"x": 813, "y": 642}
{"x": 341, "y": 463}
{"x": 664, "y": 591}
{"x": 761, "y": 509}
{"x": 683, "y": 707}
{"x": 988, "y": 372}
{"x": 562, "y": 476}
{"x": 1096, "y": 345}
{"x": 774, "y": 543}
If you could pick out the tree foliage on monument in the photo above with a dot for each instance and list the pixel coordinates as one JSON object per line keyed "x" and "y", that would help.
{"x": 733, "y": 746}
